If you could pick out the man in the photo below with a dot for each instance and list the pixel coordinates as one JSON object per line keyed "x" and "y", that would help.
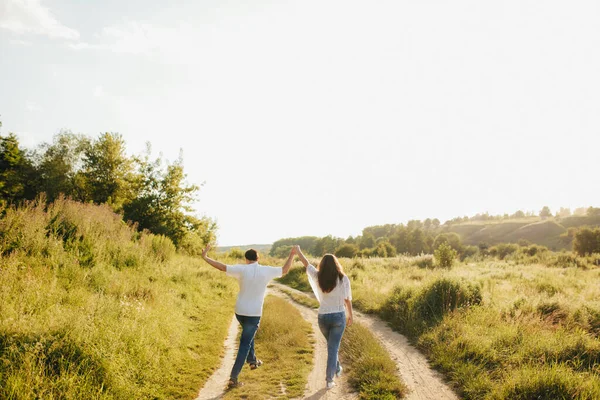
{"x": 253, "y": 279}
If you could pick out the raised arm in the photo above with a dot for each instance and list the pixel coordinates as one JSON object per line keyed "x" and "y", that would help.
{"x": 218, "y": 265}
{"x": 301, "y": 256}
{"x": 289, "y": 262}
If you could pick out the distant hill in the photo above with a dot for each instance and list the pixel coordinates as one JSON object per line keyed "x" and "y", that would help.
{"x": 261, "y": 248}
{"x": 551, "y": 232}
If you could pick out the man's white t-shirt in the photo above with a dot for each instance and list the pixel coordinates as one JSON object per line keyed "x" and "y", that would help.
{"x": 253, "y": 280}
{"x": 333, "y": 301}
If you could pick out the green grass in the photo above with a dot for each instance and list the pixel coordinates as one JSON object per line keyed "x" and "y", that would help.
{"x": 525, "y": 326}
{"x": 91, "y": 309}
{"x": 283, "y": 343}
{"x": 371, "y": 371}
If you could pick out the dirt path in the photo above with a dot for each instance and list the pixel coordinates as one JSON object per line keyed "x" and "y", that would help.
{"x": 215, "y": 385}
{"x": 423, "y": 382}
{"x": 316, "y": 379}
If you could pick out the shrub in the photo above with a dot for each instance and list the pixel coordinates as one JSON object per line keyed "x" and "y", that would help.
{"x": 444, "y": 255}
{"x": 347, "y": 250}
{"x": 412, "y": 311}
{"x": 503, "y": 249}
{"x": 468, "y": 251}
{"x": 424, "y": 261}
{"x": 235, "y": 253}
{"x": 385, "y": 249}
{"x": 162, "y": 247}
{"x": 587, "y": 241}
{"x": 443, "y": 296}
{"x": 567, "y": 260}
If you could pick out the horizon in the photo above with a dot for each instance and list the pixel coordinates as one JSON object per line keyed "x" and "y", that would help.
{"x": 306, "y": 118}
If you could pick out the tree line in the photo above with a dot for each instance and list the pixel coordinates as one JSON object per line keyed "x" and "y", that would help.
{"x": 150, "y": 193}
{"x": 424, "y": 237}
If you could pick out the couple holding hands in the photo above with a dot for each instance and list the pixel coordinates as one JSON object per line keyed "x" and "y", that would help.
{"x": 329, "y": 283}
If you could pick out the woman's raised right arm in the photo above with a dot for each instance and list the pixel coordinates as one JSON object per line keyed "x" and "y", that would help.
{"x": 301, "y": 256}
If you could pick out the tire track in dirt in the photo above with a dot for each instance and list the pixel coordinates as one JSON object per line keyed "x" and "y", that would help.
{"x": 315, "y": 388}
{"x": 423, "y": 382}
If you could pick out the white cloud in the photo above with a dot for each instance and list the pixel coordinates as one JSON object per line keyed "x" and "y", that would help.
{"x": 32, "y": 106}
{"x": 18, "y": 42}
{"x": 30, "y": 17}
{"x": 144, "y": 38}
{"x": 98, "y": 91}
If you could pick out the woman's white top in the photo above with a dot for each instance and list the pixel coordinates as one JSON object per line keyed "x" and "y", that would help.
{"x": 333, "y": 301}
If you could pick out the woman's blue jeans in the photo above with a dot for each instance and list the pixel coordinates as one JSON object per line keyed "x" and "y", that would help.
{"x": 332, "y": 327}
{"x": 246, "y": 349}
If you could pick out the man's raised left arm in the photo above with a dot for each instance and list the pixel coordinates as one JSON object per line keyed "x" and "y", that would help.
{"x": 218, "y": 265}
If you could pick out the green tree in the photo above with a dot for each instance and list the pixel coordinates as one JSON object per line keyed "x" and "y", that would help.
{"x": 545, "y": 212}
{"x": 417, "y": 242}
{"x": 367, "y": 240}
{"x": 60, "y": 166}
{"x": 444, "y": 255}
{"x": 385, "y": 249}
{"x": 593, "y": 212}
{"x": 347, "y": 250}
{"x": 108, "y": 171}
{"x": 518, "y": 214}
{"x": 587, "y": 241}
{"x": 327, "y": 244}
{"x": 306, "y": 243}
{"x": 451, "y": 238}
{"x": 17, "y": 175}
{"x": 161, "y": 202}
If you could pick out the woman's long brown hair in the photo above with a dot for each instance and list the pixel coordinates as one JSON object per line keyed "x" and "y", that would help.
{"x": 330, "y": 272}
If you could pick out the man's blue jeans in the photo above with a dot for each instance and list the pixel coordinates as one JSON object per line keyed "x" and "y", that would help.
{"x": 246, "y": 349}
{"x": 332, "y": 327}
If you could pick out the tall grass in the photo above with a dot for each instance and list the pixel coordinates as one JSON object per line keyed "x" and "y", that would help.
{"x": 513, "y": 328}
{"x": 90, "y": 308}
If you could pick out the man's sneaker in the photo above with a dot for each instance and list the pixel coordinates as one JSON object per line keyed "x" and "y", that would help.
{"x": 330, "y": 384}
{"x": 338, "y": 373}
{"x": 233, "y": 383}
{"x": 256, "y": 364}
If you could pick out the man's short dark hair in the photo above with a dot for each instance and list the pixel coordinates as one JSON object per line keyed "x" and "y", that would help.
{"x": 251, "y": 255}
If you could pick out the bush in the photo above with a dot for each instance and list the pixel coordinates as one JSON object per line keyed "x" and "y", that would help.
{"x": 347, "y": 250}
{"x": 235, "y": 253}
{"x": 567, "y": 260}
{"x": 502, "y": 250}
{"x": 413, "y": 312}
{"x": 424, "y": 261}
{"x": 162, "y": 247}
{"x": 587, "y": 241}
{"x": 468, "y": 251}
{"x": 533, "y": 249}
{"x": 444, "y": 255}
{"x": 385, "y": 249}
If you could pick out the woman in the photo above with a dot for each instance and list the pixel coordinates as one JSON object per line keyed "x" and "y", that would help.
{"x": 332, "y": 288}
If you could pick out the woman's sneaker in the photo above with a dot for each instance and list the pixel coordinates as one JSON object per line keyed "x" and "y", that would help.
{"x": 330, "y": 384}
{"x": 256, "y": 364}
{"x": 338, "y": 373}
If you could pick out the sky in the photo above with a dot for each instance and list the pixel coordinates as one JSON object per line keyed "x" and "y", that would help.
{"x": 304, "y": 117}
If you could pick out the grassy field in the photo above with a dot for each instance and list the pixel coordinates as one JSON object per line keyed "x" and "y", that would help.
{"x": 517, "y": 328}
{"x": 91, "y": 309}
